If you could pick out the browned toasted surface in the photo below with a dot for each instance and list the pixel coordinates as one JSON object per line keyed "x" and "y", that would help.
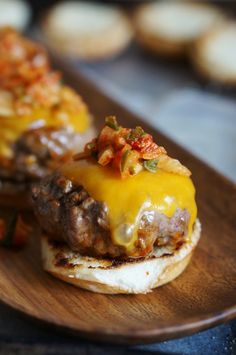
{"x": 109, "y": 276}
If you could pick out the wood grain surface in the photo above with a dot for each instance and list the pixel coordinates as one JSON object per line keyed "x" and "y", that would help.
{"x": 203, "y": 296}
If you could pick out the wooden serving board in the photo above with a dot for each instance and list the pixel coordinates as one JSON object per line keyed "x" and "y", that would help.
{"x": 203, "y": 296}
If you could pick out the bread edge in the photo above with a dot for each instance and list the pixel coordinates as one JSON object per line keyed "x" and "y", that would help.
{"x": 100, "y": 278}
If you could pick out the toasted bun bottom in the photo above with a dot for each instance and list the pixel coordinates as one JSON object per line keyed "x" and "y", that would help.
{"x": 113, "y": 276}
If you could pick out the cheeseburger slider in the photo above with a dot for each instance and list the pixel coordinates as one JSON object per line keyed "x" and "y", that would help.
{"x": 120, "y": 217}
{"x": 43, "y": 122}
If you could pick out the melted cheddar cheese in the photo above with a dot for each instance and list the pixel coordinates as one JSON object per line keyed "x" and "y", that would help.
{"x": 13, "y": 126}
{"x": 127, "y": 198}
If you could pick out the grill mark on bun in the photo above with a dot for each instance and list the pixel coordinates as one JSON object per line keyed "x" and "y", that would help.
{"x": 66, "y": 261}
{"x": 156, "y": 270}
{"x": 62, "y": 261}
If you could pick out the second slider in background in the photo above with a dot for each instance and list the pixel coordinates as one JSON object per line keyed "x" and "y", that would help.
{"x": 42, "y": 120}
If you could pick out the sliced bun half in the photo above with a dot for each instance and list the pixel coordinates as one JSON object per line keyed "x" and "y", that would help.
{"x": 112, "y": 276}
{"x": 89, "y": 31}
{"x": 169, "y": 27}
{"x": 214, "y": 54}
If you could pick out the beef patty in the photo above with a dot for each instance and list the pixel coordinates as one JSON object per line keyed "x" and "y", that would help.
{"x": 39, "y": 151}
{"x": 66, "y": 212}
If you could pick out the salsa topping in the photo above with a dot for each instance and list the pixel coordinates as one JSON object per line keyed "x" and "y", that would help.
{"x": 32, "y": 95}
{"x": 21, "y": 60}
{"x": 129, "y": 151}
{"x": 27, "y": 81}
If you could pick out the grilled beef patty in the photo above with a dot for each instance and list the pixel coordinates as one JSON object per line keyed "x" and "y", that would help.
{"x": 66, "y": 212}
{"x": 38, "y": 151}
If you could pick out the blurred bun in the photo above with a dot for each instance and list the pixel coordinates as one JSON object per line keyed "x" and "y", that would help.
{"x": 214, "y": 55}
{"x": 88, "y": 31}
{"x": 138, "y": 275}
{"x": 14, "y": 13}
{"x": 169, "y": 27}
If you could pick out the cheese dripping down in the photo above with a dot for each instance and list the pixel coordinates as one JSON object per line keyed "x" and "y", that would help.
{"x": 126, "y": 199}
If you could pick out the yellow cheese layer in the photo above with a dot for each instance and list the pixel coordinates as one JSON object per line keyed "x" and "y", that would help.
{"x": 13, "y": 127}
{"x": 127, "y": 198}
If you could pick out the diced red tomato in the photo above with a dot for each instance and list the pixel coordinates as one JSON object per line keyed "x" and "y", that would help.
{"x": 125, "y": 149}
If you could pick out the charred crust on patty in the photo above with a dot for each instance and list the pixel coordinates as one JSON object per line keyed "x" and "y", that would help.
{"x": 69, "y": 214}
